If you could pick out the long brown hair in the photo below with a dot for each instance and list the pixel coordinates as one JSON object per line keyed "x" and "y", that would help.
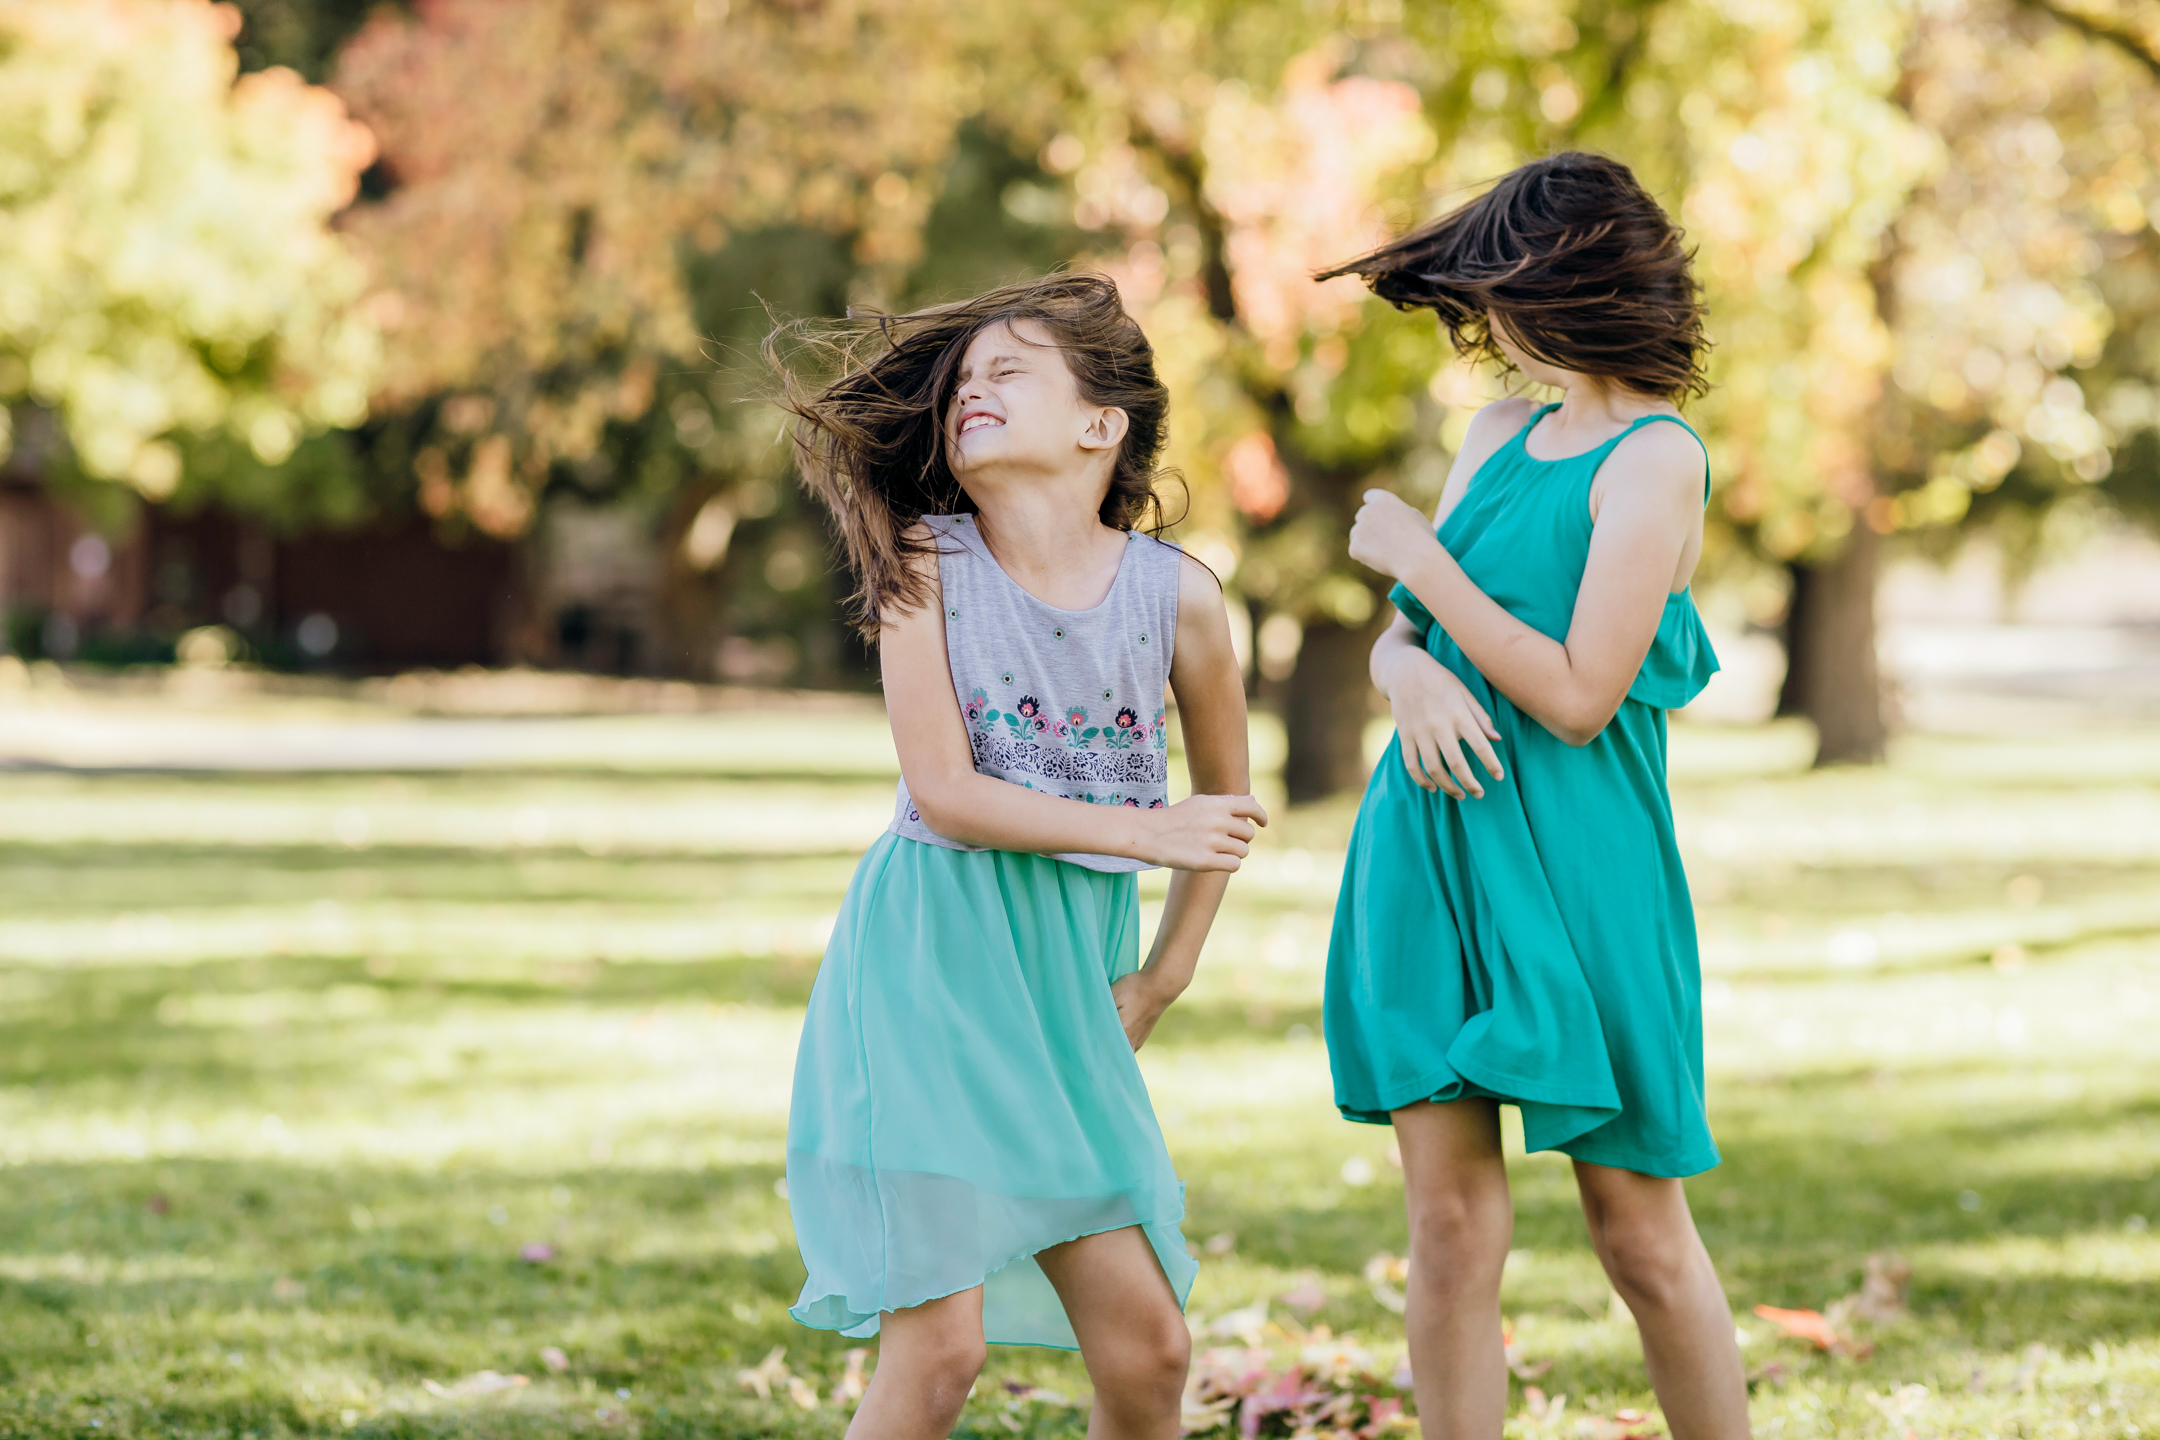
{"x": 870, "y": 444}
{"x": 1584, "y": 266}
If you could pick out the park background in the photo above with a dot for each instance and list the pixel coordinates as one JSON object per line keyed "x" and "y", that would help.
{"x": 433, "y": 754}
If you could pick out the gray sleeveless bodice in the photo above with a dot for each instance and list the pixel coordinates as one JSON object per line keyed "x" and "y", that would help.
{"x": 1069, "y": 702}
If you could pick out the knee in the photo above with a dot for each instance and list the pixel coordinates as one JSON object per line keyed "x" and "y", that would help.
{"x": 948, "y": 1366}
{"x": 1152, "y": 1360}
{"x": 1454, "y": 1230}
{"x": 1649, "y": 1264}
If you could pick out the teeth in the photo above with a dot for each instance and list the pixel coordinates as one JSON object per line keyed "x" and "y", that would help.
{"x": 976, "y": 422}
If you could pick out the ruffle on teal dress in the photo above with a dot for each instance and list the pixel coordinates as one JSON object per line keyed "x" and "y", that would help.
{"x": 1535, "y": 946}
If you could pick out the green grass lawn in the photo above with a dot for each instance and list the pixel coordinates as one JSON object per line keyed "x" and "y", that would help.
{"x": 324, "y": 1094}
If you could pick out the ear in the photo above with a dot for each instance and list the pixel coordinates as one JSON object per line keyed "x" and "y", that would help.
{"x": 1104, "y": 429}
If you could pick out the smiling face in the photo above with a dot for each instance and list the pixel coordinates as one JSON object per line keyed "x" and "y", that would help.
{"x": 1016, "y": 408}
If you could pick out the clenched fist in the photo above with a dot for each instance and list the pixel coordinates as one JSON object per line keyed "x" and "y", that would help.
{"x": 1390, "y": 534}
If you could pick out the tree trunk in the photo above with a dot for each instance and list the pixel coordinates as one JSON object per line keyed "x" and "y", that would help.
{"x": 1326, "y": 703}
{"x": 1830, "y": 671}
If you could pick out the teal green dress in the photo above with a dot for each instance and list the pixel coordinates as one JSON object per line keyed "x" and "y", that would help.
{"x": 1536, "y": 946}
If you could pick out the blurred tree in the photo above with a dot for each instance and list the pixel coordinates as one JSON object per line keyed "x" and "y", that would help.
{"x": 2025, "y": 282}
{"x": 1222, "y": 183}
{"x": 1902, "y": 211}
{"x": 168, "y": 276}
{"x": 301, "y": 35}
{"x": 548, "y": 167}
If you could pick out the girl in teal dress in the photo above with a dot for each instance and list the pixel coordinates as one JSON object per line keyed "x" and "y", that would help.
{"x": 1514, "y": 924}
{"x": 972, "y": 1158}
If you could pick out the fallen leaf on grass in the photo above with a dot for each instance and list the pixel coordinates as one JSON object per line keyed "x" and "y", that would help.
{"x": 537, "y": 1253}
{"x": 1541, "y": 1409}
{"x": 1519, "y": 1367}
{"x": 1388, "y": 1278}
{"x": 767, "y": 1374}
{"x": 1306, "y": 1296}
{"x": 848, "y": 1391}
{"x": 553, "y": 1357}
{"x": 1808, "y": 1325}
{"x": 1881, "y": 1296}
{"x": 487, "y": 1382}
{"x": 1024, "y": 1393}
{"x": 1247, "y": 1324}
{"x": 1621, "y": 1425}
{"x": 1900, "y": 1406}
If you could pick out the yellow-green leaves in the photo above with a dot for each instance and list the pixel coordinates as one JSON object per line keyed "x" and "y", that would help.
{"x": 166, "y": 262}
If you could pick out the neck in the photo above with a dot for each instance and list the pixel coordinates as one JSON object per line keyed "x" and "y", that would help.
{"x": 1044, "y": 533}
{"x": 1595, "y": 404}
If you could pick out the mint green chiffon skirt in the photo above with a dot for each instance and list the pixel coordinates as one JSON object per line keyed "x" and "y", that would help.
{"x": 964, "y": 1093}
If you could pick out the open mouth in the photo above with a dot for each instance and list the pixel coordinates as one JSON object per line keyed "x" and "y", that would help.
{"x": 977, "y": 420}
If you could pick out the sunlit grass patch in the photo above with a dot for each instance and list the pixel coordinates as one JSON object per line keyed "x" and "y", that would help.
{"x": 452, "y": 1102}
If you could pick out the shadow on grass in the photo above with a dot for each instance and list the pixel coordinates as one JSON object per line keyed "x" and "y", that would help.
{"x": 228, "y": 1285}
{"x": 64, "y": 878}
{"x": 1790, "y": 1217}
{"x": 70, "y": 1027}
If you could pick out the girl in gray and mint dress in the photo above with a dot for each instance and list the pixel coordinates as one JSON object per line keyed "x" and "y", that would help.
{"x": 972, "y": 1157}
{"x": 961, "y": 1054}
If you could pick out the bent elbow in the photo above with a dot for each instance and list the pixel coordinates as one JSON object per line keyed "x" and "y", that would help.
{"x": 1583, "y": 724}
{"x": 938, "y": 805}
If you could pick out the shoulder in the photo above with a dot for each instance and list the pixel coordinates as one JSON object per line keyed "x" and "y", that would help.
{"x": 1491, "y": 428}
{"x": 1197, "y": 584}
{"x": 1499, "y": 420}
{"x": 1661, "y": 458}
{"x": 920, "y": 544}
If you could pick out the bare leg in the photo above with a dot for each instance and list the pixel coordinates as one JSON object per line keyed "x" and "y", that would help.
{"x": 1455, "y": 1184}
{"x": 1643, "y": 1232}
{"x": 928, "y": 1358}
{"x": 1132, "y": 1335}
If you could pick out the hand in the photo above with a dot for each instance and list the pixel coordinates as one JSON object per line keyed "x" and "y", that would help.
{"x": 1140, "y": 1003}
{"x": 1205, "y": 832}
{"x": 1435, "y": 716}
{"x": 1390, "y": 534}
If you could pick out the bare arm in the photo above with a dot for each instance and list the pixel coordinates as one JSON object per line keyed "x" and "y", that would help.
{"x": 1210, "y": 694}
{"x": 1435, "y": 714}
{"x": 1650, "y": 506}
{"x": 1489, "y": 430}
{"x": 1206, "y": 832}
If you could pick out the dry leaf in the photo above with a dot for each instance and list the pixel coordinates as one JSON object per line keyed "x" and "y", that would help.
{"x": 767, "y": 1374}
{"x": 1809, "y": 1325}
{"x": 1306, "y": 1296}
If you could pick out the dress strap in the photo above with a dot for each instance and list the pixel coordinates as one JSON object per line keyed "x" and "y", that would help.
{"x": 1675, "y": 419}
{"x": 1522, "y": 436}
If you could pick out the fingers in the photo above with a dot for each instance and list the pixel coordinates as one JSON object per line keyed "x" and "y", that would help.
{"x": 1247, "y": 807}
{"x": 1412, "y": 763}
{"x": 1459, "y": 765}
{"x": 1485, "y": 754}
{"x": 1430, "y": 760}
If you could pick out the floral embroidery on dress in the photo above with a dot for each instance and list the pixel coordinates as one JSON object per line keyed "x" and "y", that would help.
{"x": 1121, "y": 733}
{"x": 1162, "y": 736}
{"x": 978, "y": 702}
{"x": 1025, "y": 718}
{"x": 1074, "y": 729}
